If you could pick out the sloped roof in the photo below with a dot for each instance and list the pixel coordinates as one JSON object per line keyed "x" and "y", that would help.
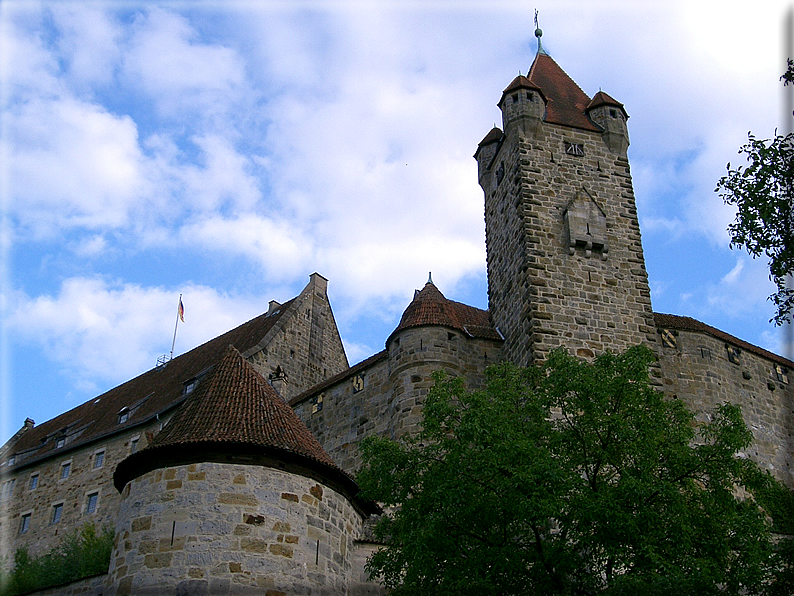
{"x": 234, "y": 415}
{"x": 603, "y": 99}
{"x": 494, "y": 136}
{"x": 147, "y": 395}
{"x": 690, "y": 324}
{"x": 566, "y": 103}
{"x": 355, "y": 369}
{"x": 430, "y": 307}
{"x": 234, "y": 404}
{"x": 521, "y": 82}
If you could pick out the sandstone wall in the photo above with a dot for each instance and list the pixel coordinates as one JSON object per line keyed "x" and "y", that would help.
{"x": 540, "y": 295}
{"x": 699, "y": 371}
{"x": 71, "y": 493}
{"x": 385, "y": 397}
{"x": 214, "y": 528}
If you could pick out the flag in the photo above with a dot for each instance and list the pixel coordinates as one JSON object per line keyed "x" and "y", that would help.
{"x": 181, "y": 310}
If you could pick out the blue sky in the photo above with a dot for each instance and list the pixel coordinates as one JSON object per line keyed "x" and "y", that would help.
{"x": 225, "y": 151}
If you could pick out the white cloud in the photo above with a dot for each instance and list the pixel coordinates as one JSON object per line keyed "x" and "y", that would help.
{"x": 168, "y": 62}
{"x": 104, "y": 332}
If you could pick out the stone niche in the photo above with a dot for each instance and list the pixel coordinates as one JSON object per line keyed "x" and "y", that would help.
{"x": 585, "y": 225}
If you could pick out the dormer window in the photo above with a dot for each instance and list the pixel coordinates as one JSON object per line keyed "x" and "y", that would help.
{"x": 60, "y": 442}
{"x": 11, "y": 460}
{"x": 190, "y": 386}
{"x": 124, "y": 415}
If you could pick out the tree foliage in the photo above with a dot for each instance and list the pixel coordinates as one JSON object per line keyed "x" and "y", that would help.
{"x": 763, "y": 193}
{"x": 569, "y": 478}
{"x": 82, "y": 553}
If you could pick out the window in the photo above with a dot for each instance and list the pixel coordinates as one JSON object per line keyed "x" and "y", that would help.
{"x": 65, "y": 469}
{"x": 124, "y": 415}
{"x": 60, "y": 443}
{"x": 24, "y": 524}
{"x": 134, "y": 445}
{"x": 34, "y": 482}
{"x": 11, "y": 460}
{"x": 6, "y": 489}
{"x": 90, "y": 505}
{"x": 57, "y": 512}
{"x": 99, "y": 459}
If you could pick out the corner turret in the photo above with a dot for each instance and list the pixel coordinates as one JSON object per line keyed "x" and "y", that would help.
{"x": 609, "y": 115}
{"x": 523, "y": 106}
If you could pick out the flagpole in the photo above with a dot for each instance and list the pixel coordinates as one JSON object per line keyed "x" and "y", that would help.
{"x": 176, "y": 325}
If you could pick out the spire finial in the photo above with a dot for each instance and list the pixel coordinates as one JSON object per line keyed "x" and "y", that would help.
{"x": 539, "y": 34}
{"x": 430, "y": 278}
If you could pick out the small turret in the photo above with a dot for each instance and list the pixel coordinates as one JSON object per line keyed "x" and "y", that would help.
{"x": 611, "y": 117}
{"x": 523, "y": 106}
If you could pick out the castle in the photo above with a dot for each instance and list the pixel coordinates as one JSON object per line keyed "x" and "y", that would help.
{"x": 229, "y": 470}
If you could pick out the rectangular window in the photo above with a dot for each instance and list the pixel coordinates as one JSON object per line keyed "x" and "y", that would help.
{"x": 99, "y": 459}
{"x": 57, "y": 512}
{"x": 124, "y": 415}
{"x": 7, "y": 489}
{"x": 34, "y": 482}
{"x": 65, "y": 469}
{"x": 90, "y": 505}
{"x": 60, "y": 443}
{"x": 24, "y": 525}
{"x": 134, "y": 445}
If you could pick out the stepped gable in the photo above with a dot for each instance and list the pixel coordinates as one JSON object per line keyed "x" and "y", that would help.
{"x": 147, "y": 395}
{"x": 566, "y": 103}
{"x": 689, "y": 324}
{"x": 234, "y": 404}
{"x": 430, "y": 307}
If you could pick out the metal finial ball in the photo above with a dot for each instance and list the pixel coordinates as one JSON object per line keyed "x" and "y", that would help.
{"x": 538, "y": 32}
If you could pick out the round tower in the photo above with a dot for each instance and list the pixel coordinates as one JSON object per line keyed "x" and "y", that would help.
{"x": 434, "y": 334}
{"x": 234, "y": 496}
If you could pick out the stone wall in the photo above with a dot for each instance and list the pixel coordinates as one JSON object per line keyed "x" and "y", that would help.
{"x": 305, "y": 343}
{"x": 547, "y": 287}
{"x": 699, "y": 371}
{"x": 215, "y": 528}
{"x": 72, "y": 492}
{"x": 384, "y": 397}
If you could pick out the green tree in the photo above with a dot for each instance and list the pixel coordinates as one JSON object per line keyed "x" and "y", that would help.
{"x": 762, "y": 194}
{"x": 568, "y": 478}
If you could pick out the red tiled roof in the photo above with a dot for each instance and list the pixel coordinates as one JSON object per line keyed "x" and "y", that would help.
{"x": 148, "y": 394}
{"x": 690, "y": 324}
{"x": 234, "y": 404}
{"x": 521, "y": 82}
{"x": 566, "y": 103}
{"x": 234, "y": 415}
{"x": 493, "y": 136}
{"x": 603, "y": 99}
{"x": 430, "y": 307}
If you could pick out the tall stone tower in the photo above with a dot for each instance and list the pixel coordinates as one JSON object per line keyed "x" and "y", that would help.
{"x": 565, "y": 261}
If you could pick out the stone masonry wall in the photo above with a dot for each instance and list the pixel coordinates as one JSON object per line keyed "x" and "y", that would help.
{"x": 541, "y": 296}
{"x": 385, "y": 398}
{"x": 306, "y": 345}
{"x": 71, "y": 492}
{"x": 218, "y": 529}
{"x": 698, "y": 370}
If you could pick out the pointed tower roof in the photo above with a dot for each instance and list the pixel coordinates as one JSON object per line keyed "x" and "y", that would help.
{"x": 566, "y": 103}
{"x": 602, "y": 99}
{"x": 431, "y": 307}
{"x": 235, "y": 412}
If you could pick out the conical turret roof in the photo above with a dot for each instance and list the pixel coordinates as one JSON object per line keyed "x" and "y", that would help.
{"x": 233, "y": 410}
{"x": 235, "y": 404}
{"x": 603, "y": 99}
{"x": 431, "y": 307}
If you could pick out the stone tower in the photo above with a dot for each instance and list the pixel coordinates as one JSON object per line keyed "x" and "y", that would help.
{"x": 565, "y": 261}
